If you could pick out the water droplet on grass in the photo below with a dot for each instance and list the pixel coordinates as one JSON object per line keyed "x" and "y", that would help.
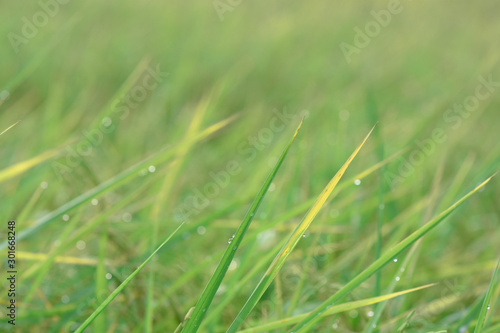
{"x": 126, "y": 217}
{"x": 80, "y": 245}
{"x": 357, "y": 182}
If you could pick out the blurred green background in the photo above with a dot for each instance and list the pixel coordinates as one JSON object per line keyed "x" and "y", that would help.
{"x": 64, "y": 72}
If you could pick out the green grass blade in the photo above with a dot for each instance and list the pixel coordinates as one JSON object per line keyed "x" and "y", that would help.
{"x": 304, "y": 325}
{"x": 333, "y": 310}
{"x": 208, "y": 294}
{"x": 486, "y": 304}
{"x": 292, "y": 241}
{"x": 113, "y": 182}
{"x": 163, "y": 197}
{"x": 110, "y": 298}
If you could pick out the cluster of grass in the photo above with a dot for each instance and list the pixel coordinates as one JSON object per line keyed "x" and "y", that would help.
{"x": 158, "y": 185}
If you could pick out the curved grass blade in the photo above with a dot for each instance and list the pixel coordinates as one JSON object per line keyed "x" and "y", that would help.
{"x": 305, "y": 324}
{"x": 486, "y": 304}
{"x": 208, "y": 294}
{"x": 333, "y": 310}
{"x": 110, "y": 298}
{"x": 290, "y": 244}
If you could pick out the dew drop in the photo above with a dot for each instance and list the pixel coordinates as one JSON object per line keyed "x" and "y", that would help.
{"x": 201, "y": 230}
{"x": 126, "y": 217}
{"x": 395, "y": 260}
{"x": 80, "y": 245}
{"x": 398, "y": 278}
{"x": 65, "y": 299}
{"x": 230, "y": 239}
{"x": 44, "y": 185}
{"x": 65, "y": 217}
{"x": 152, "y": 168}
{"x": 94, "y": 202}
{"x": 109, "y": 276}
{"x": 233, "y": 265}
{"x": 357, "y": 182}
{"x": 370, "y": 313}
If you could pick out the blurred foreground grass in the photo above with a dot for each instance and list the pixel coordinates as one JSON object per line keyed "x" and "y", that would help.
{"x": 107, "y": 85}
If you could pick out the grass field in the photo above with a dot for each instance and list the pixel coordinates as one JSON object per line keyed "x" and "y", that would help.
{"x": 140, "y": 121}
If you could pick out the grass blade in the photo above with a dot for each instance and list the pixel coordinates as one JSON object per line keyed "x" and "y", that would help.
{"x": 292, "y": 241}
{"x": 110, "y": 298}
{"x": 333, "y": 310}
{"x": 163, "y": 197}
{"x": 208, "y": 294}
{"x": 115, "y": 181}
{"x": 304, "y": 325}
{"x": 24, "y": 166}
{"x": 486, "y": 304}
{"x": 8, "y": 128}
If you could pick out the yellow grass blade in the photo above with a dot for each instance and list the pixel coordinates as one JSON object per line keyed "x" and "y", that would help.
{"x": 292, "y": 241}
{"x": 333, "y": 310}
{"x": 8, "y": 128}
{"x": 24, "y": 166}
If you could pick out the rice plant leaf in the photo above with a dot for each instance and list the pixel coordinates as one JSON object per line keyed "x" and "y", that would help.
{"x": 292, "y": 241}
{"x": 486, "y": 304}
{"x": 306, "y": 324}
{"x": 208, "y": 294}
{"x": 110, "y": 298}
{"x": 333, "y": 310}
